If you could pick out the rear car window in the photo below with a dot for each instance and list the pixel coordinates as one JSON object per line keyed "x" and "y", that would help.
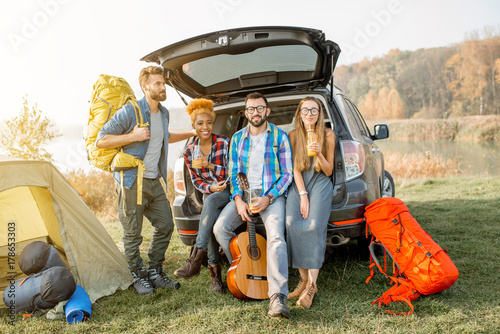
{"x": 299, "y": 58}
{"x": 230, "y": 120}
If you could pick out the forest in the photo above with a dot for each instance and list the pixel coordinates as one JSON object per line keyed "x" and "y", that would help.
{"x": 454, "y": 81}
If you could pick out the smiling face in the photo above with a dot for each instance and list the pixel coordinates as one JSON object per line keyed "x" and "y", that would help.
{"x": 203, "y": 125}
{"x": 256, "y": 119}
{"x": 309, "y": 119}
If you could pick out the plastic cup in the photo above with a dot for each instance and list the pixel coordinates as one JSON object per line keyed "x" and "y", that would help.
{"x": 197, "y": 163}
{"x": 310, "y": 140}
{"x": 253, "y": 203}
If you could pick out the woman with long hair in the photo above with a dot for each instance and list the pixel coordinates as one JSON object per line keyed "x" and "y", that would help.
{"x": 313, "y": 148}
{"x": 207, "y": 160}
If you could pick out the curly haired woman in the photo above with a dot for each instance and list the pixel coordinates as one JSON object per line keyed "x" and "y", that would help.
{"x": 207, "y": 160}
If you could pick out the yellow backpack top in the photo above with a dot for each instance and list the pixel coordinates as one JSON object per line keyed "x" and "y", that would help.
{"x": 109, "y": 94}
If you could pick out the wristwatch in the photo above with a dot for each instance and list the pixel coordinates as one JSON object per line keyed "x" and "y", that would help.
{"x": 271, "y": 198}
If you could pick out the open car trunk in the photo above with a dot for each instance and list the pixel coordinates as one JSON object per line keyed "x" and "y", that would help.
{"x": 234, "y": 62}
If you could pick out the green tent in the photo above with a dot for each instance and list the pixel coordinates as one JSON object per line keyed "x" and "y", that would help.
{"x": 38, "y": 203}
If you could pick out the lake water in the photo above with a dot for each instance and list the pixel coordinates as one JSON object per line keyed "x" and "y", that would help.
{"x": 475, "y": 159}
{"x": 70, "y": 154}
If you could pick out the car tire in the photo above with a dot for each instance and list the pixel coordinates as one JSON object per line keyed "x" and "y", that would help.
{"x": 388, "y": 187}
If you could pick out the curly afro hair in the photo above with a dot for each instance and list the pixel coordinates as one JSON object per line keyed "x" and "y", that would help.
{"x": 200, "y": 106}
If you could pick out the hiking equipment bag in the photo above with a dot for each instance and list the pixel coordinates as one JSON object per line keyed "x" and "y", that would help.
{"x": 420, "y": 266}
{"x": 39, "y": 256}
{"x": 109, "y": 94}
{"x": 40, "y": 291}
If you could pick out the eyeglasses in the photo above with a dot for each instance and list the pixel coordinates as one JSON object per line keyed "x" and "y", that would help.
{"x": 260, "y": 109}
{"x": 313, "y": 111}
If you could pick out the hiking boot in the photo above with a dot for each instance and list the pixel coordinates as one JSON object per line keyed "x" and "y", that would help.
{"x": 193, "y": 264}
{"x": 307, "y": 296}
{"x": 160, "y": 280}
{"x": 277, "y": 306}
{"x": 301, "y": 286}
{"x": 216, "y": 278}
{"x": 142, "y": 285}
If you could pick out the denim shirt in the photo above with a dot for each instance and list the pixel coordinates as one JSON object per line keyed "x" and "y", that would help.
{"x": 124, "y": 121}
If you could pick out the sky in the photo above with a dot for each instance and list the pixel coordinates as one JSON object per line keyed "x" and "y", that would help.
{"x": 54, "y": 50}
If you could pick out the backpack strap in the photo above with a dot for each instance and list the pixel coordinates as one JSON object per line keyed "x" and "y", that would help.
{"x": 110, "y": 108}
{"x": 403, "y": 291}
{"x": 138, "y": 114}
{"x": 34, "y": 305}
{"x": 374, "y": 262}
{"x": 139, "y": 119}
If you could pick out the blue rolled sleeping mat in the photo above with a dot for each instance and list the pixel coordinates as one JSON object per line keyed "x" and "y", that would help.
{"x": 79, "y": 307}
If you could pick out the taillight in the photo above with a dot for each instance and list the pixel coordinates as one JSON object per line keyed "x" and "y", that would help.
{"x": 179, "y": 186}
{"x": 354, "y": 159}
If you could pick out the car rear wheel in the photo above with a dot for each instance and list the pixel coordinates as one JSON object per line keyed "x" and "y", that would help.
{"x": 388, "y": 188}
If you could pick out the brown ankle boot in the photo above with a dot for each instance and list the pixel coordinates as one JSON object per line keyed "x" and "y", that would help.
{"x": 307, "y": 296}
{"x": 301, "y": 286}
{"x": 193, "y": 264}
{"x": 216, "y": 278}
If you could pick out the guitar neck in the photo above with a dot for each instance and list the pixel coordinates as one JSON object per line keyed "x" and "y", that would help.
{"x": 252, "y": 239}
{"x": 251, "y": 233}
{"x": 248, "y": 196}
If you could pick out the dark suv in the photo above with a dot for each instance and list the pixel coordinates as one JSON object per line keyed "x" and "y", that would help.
{"x": 286, "y": 64}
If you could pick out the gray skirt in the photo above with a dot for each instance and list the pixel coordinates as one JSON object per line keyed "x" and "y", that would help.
{"x": 306, "y": 238}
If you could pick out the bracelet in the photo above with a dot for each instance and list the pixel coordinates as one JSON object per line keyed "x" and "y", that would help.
{"x": 303, "y": 192}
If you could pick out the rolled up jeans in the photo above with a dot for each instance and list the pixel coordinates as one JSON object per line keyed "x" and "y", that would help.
{"x": 212, "y": 207}
{"x": 274, "y": 222}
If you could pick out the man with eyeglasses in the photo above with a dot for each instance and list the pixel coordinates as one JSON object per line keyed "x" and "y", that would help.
{"x": 262, "y": 151}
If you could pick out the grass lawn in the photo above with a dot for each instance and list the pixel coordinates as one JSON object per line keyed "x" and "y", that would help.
{"x": 461, "y": 214}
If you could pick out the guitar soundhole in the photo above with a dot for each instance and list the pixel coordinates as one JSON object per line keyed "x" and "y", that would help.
{"x": 253, "y": 253}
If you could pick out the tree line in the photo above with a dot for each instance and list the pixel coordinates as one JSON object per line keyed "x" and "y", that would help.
{"x": 459, "y": 80}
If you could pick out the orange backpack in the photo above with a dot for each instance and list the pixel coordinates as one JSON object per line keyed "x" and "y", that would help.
{"x": 420, "y": 266}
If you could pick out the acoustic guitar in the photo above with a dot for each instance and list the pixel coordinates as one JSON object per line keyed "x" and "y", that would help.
{"x": 247, "y": 276}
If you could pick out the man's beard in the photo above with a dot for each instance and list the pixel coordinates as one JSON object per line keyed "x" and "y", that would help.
{"x": 158, "y": 96}
{"x": 259, "y": 123}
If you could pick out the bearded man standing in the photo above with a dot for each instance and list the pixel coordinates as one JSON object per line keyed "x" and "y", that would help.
{"x": 149, "y": 144}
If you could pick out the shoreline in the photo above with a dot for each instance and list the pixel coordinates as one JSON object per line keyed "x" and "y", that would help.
{"x": 466, "y": 128}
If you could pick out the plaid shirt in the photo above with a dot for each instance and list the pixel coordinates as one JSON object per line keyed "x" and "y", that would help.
{"x": 203, "y": 178}
{"x": 277, "y": 173}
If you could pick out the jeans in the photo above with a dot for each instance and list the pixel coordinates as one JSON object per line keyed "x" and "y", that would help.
{"x": 156, "y": 208}
{"x": 274, "y": 222}
{"x": 212, "y": 207}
